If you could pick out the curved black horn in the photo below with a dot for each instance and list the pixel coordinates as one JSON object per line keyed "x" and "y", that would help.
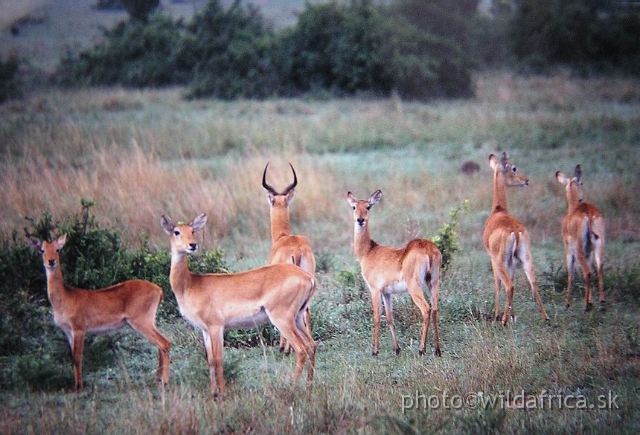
{"x": 292, "y": 185}
{"x": 264, "y": 182}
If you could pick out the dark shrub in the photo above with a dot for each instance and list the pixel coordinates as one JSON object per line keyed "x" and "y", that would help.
{"x": 228, "y": 53}
{"x": 428, "y": 48}
{"x": 135, "y": 53}
{"x": 337, "y": 48}
{"x": 139, "y": 10}
{"x": 34, "y": 352}
{"x": 447, "y": 238}
{"x": 108, "y": 5}
{"x": 415, "y": 48}
{"x": 590, "y": 34}
{"x": 23, "y": 299}
{"x": 9, "y": 84}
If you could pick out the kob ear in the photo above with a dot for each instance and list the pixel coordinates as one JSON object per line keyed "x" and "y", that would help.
{"x": 35, "y": 243}
{"x": 493, "y": 161}
{"x": 270, "y": 199}
{"x": 505, "y": 159}
{"x": 578, "y": 174}
{"x": 61, "y": 241}
{"x": 562, "y": 179}
{"x": 351, "y": 199}
{"x": 198, "y": 222}
{"x": 289, "y": 196}
{"x": 165, "y": 223}
{"x": 375, "y": 197}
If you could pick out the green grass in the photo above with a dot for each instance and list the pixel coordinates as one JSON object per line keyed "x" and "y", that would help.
{"x": 577, "y": 355}
{"x": 142, "y": 154}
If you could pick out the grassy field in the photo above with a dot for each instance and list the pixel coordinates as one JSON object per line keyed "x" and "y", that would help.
{"x": 142, "y": 154}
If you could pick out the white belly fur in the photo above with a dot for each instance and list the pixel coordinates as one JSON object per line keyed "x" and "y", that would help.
{"x": 257, "y": 319}
{"x": 396, "y": 287}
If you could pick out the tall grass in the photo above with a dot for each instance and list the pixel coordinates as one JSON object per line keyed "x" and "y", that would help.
{"x": 142, "y": 154}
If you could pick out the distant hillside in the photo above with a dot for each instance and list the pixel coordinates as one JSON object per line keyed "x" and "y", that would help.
{"x": 41, "y": 31}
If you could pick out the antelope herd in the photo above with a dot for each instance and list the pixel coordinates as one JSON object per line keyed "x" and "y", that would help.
{"x": 281, "y": 291}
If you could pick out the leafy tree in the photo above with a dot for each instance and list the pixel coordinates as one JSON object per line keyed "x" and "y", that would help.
{"x": 416, "y": 48}
{"x": 228, "y": 53}
{"x": 9, "y": 85}
{"x": 582, "y": 34}
{"x": 337, "y": 48}
{"x": 419, "y": 49}
{"x": 139, "y": 10}
{"x": 489, "y": 42}
{"x": 447, "y": 237}
{"x": 428, "y": 48}
{"x": 134, "y": 53}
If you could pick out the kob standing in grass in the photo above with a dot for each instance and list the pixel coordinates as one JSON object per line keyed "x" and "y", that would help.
{"x": 583, "y": 237}
{"x": 388, "y": 270}
{"x": 506, "y": 239}
{"x": 78, "y": 311}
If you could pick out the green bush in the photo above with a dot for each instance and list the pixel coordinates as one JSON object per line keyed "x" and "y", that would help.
{"x": 228, "y": 53}
{"x": 336, "y": 47}
{"x": 139, "y": 10}
{"x": 93, "y": 257}
{"x": 24, "y": 319}
{"x": 428, "y": 48}
{"x": 108, "y": 5}
{"x": 592, "y": 34}
{"x": 415, "y": 48}
{"x": 9, "y": 84}
{"x": 23, "y": 296}
{"x": 447, "y": 237}
{"x": 31, "y": 348}
{"x": 135, "y": 53}
{"x": 47, "y": 369}
{"x": 489, "y": 43}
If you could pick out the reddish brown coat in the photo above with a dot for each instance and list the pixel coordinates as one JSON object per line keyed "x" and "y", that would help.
{"x": 583, "y": 235}
{"x": 78, "y": 311}
{"x": 278, "y": 293}
{"x": 506, "y": 239}
{"x": 388, "y": 270}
